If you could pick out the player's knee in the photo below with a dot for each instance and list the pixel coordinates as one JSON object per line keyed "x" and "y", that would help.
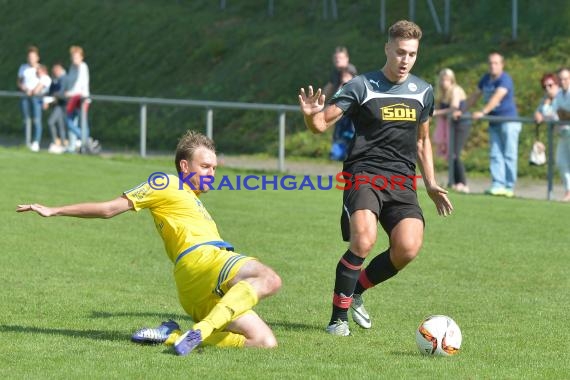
{"x": 264, "y": 339}
{"x": 409, "y": 255}
{"x": 268, "y": 341}
{"x": 362, "y": 245}
{"x": 270, "y": 282}
{"x": 273, "y": 282}
{"x": 406, "y": 251}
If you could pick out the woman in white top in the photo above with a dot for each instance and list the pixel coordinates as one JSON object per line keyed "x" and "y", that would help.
{"x": 30, "y": 104}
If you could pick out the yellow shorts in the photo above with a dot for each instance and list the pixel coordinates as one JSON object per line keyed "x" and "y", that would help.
{"x": 202, "y": 278}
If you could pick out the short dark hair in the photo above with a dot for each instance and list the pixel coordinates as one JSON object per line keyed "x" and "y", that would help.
{"x": 188, "y": 144}
{"x": 33, "y": 49}
{"x": 404, "y": 30}
{"x": 341, "y": 49}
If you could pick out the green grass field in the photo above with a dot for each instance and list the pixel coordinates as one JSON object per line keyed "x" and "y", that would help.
{"x": 72, "y": 291}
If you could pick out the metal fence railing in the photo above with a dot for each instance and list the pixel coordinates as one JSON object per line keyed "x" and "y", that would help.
{"x": 281, "y": 110}
{"x": 524, "y": 120}
{"x": 209, "y": 107}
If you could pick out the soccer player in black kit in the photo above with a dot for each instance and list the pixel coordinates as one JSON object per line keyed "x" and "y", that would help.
{"x": 391, "y": 110}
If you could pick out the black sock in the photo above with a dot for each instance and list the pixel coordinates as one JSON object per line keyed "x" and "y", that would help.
{"x": 347, "y": 272}
{"x": 379, "y": 270}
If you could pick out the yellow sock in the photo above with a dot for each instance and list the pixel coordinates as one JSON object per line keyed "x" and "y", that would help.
{"x": 172, "y": 337}
{"x": 218, "y": 339}
{"x": 240, "y": 298}
{"x": 225, "y": 339}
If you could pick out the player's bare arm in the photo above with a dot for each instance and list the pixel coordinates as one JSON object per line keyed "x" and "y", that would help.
{"x": 104, "y": 210}
{"x": 425, "y": 161}
{"x": 493, "y": 102}
{"x": 318, "y": 117}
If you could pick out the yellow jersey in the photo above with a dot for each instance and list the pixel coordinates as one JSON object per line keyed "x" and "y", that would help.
{"x": 179, "y": 216}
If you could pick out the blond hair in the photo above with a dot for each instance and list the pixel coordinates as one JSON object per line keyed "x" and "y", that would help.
{"x": 76, "y": 49}
{"x": 446, "y": 95}
{"x": 188, "y": 144}
{"x": 404, "y": 30}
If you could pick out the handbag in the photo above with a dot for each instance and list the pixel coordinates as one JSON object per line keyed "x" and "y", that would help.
{"x": 537, "y": 155}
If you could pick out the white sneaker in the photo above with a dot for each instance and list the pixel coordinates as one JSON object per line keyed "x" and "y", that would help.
{"x": 339, "y": 328}
{"x": 56, "y": 149}
{"x": 35, "y": 147}
{"x": 359, "y": 313}
{"x": 93, "y": 146}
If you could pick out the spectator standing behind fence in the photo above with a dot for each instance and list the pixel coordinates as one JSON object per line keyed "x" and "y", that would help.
{"x": 498, "y": 92}
{"x": 56, "y": 121}
{"x": 77, "y": 89}
{"x": 451, "y": 98}
{"x": 562, "y": 108}
{"x": 343, "y": 129}
{"x": 44, "y": 82}
{"x": 341, "y": 62}
{"x": 31, "y": 105}
{"x": 545, "y": 110}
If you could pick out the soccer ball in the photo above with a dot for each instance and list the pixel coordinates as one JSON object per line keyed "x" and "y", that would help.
{"x": 438, "y": 335}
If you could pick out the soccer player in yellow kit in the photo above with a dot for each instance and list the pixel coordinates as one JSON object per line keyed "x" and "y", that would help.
{"x": 217, "y": 287}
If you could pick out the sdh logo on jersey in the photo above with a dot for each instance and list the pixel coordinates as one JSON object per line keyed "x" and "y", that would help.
{"x": 398, "y": 111}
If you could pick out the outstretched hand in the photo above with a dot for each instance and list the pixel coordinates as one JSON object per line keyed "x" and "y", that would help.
{"x": 311, "y": 102}
{"x": 40, "y": 209}
{"x": 439, "y": 196}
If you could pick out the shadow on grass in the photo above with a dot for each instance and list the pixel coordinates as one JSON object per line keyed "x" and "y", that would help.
{"x": 287, "y": 325}
{"x": 161, "y": 316}
{"x": 197, "y": 351}
{"x": 90, "y": 334}
{"x": 157, "y": 316}
{"x": 407, "y": 353}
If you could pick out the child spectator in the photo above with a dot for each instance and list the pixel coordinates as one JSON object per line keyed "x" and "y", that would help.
{"x": 56, "y": 119}
{"x": 44, "y": 82}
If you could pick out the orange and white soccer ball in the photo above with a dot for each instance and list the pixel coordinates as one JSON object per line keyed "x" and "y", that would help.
{"x": 438, "y": 335}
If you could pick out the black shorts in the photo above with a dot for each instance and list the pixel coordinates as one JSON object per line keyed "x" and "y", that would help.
{"x": 390, "y": 206}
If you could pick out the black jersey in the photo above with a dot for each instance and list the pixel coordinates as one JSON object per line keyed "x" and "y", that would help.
{"x": 386, "y": 117}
